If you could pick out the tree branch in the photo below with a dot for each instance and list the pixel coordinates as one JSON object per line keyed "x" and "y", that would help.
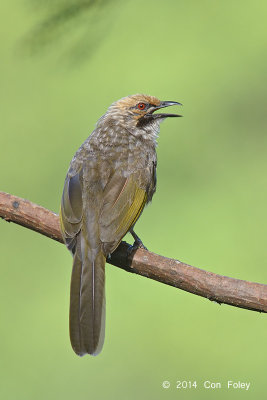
{"x": 235, "y": 292}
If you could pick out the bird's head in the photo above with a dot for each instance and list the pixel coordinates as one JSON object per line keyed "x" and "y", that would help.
{"x": 137, "y": 114}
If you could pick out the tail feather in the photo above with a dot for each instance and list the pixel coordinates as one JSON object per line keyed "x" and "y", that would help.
{"x": 87, "y": 300}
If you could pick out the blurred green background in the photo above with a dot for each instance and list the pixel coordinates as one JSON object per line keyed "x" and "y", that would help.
{"x": 57, "y": 78}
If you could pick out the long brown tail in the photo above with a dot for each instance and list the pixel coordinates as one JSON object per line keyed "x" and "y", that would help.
{"x": 87, "y": 299}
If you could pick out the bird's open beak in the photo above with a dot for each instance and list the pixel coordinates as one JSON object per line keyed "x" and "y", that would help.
{"x": 164, "y": 104}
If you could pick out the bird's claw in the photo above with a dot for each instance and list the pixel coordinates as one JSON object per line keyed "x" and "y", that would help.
{"x": 138, "y": 244}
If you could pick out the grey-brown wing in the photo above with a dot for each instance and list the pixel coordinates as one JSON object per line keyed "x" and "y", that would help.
{"x": 71, "y": 209}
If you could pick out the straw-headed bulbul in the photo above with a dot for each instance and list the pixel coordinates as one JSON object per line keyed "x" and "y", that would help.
{"x": 110, "y": 179}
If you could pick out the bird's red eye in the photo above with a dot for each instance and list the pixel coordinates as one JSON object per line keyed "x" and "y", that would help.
{"x": 141, "y": 106}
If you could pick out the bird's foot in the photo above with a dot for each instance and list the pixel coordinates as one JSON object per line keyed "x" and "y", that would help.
{"x": 138, "y": 244}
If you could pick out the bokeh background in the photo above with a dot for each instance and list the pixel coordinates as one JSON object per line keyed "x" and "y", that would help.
{"x": 60, "y": 69}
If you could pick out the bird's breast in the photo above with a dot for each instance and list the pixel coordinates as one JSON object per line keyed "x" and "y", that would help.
{"x": 116, "y": 151}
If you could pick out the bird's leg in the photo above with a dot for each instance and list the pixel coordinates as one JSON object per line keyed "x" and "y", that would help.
{"x": 138, "y": 244}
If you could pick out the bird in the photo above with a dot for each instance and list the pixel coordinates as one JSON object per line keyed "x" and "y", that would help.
{"x": 110, "y": 179}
